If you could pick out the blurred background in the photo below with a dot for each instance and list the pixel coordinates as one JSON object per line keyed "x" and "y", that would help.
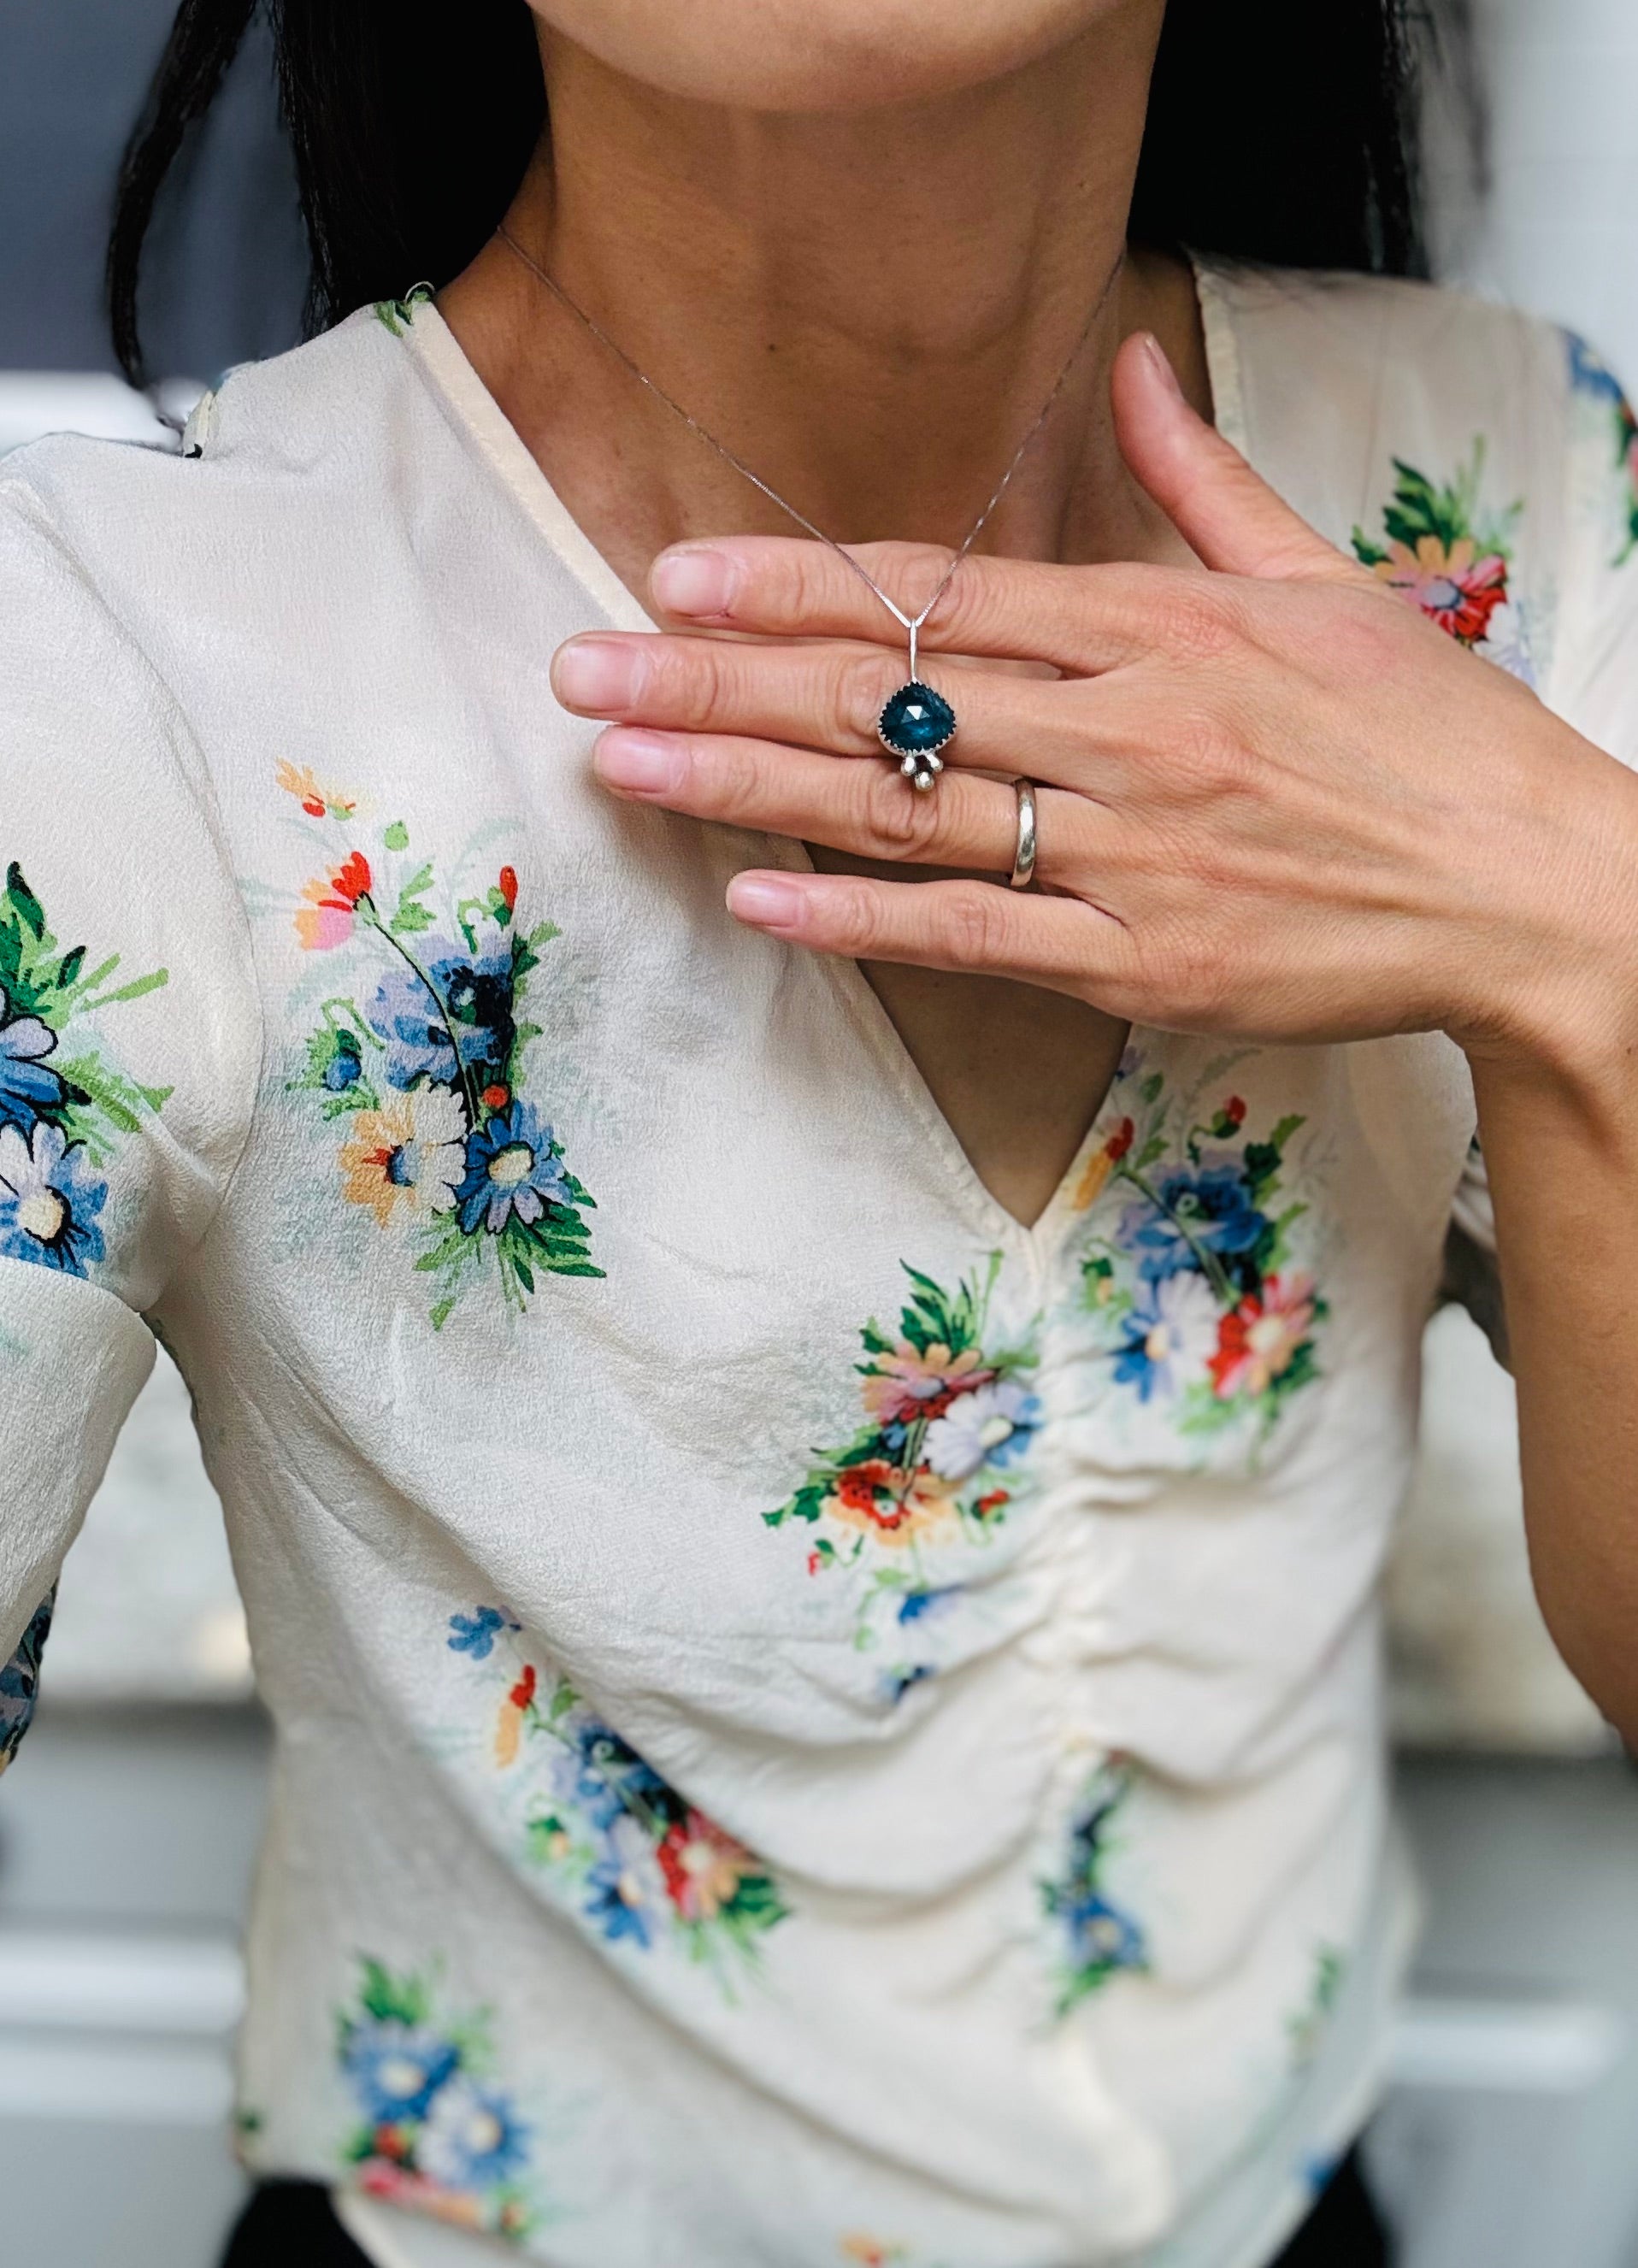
{"x": 128, "y": 1829}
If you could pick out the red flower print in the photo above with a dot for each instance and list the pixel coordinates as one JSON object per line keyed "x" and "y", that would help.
{"x": 1453, "y": 586}
{"x": 352, "y": 878}
{"x": 993, "y": 1502}
{"x": 861, "y": 1489}
{"x": 1257, "y": 1342}
{"x": 495, "y": 1098}
{"x": 379, "y": 2177}
{"x": 523, "y": 1692}
{"x": 887, "y": 1503}
{"x": 1120, "y": 1141}
{"x": 316, "y": 799}
{"x": 508, "y": 887}
{"x": 906, "y": 1385}
{"x": 1234, "y": 1110}
{"x": 816, "y": 1563}
{"x": 702, "y": 1867}
{"x": 326, "y": 920}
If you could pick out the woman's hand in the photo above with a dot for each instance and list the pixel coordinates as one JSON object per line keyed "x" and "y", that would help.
{"x": 1274, "y": 801}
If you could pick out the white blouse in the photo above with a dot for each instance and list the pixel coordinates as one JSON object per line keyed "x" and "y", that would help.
{"x": 815, "y": 1724}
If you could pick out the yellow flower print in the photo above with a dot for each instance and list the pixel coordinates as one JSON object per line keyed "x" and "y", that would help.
{"x": 1100, "y": 1165}
{"x": 888, "y": 1505}
{"x": 904, "y": 1383}
{"x": 315, "y": 799}
{"x": 408, "y": 1156}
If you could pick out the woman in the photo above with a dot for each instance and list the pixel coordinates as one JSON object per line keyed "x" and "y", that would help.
{"x": 811, "y": 1536}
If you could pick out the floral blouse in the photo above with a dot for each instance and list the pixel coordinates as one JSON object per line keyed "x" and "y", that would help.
{"x": 815, "y": 1724}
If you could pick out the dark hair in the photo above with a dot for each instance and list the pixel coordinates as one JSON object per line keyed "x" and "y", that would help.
{"x": 1281, "y": 132}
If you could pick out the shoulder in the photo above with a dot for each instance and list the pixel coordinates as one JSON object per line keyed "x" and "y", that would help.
{"x": 1457, "y": 446}
{"x": 1346, "y": 349}
{"x": 249, "y": 580}
{"x": 263, "y": 453}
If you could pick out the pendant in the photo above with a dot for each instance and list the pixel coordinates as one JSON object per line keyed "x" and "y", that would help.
{"x": 914, "y": 724}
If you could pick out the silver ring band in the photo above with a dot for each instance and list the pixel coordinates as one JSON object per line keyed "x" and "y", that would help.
{"x": 1023, "y": 857}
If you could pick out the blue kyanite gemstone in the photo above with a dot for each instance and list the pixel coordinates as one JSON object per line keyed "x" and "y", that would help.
{"x": 916, "y": 721}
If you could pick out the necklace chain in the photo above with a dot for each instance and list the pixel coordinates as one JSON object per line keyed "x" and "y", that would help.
{"x": 910, "y": 623}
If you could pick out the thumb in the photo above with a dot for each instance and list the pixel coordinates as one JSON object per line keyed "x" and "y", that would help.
{"x": 1226, "y": 513}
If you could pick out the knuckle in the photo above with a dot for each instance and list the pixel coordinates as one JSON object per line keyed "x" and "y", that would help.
{"x": 977, "y": 922}
{"x": 859, "y": 686}
{"x": 893, "y": 822}
{"x": 807, "y": 585}
{"x": 732, "y": 773}
{"x": 1202, "y": 622}
{"x": 915, "y": 569}
{"x": 689, "y": 680}
{"x": 857, "y": 924}
{"x": 1207, "y": 753}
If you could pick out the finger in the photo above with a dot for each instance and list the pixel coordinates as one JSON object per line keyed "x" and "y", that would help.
{"x": 1080, "y": 619}
{"x": 858, "y": 807}
{"x": 1060, "y": 942}
{"x": 830, "y": 696}
{"x": 1225, "y": 512}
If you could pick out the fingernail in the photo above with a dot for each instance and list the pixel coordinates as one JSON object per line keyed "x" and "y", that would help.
{"x": 642, "y": 764}
{"x": 764, "y": 900}
{"x": 597, "y": 673}
{"x": 691, "y": 580}
{"x": 1160, "y": 362}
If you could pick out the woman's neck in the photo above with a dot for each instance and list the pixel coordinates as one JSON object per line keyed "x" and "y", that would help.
{"x": 869, "y": 308}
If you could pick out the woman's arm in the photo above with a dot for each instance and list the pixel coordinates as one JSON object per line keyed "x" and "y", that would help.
{"x": 1561, "y": 1151}
{"x": 129, "y": 1046}
{"x": 1275, "y": 803}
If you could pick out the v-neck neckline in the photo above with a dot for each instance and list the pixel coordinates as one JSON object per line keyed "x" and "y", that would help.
{"x": 483, "y": 423}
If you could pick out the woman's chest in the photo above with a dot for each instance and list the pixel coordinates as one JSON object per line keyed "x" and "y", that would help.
{"x": 562, "y": 1184}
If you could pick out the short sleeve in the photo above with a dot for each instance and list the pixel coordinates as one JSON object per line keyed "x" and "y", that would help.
{"x": 130, "y": 1048}
{"x": 1593, "y": 683}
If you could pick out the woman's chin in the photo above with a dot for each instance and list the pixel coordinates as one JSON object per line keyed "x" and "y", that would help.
{"x": 808, "y": 56}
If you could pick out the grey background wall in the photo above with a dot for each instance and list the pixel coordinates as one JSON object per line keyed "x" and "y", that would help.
{"x": 228, "y": 272}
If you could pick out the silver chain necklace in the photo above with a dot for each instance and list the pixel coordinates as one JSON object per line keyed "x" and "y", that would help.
{"x": 916, "y": 722}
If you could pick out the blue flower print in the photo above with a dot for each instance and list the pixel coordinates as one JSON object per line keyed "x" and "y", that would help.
{"x": 625, "y": 1890}
{"x": 345, "y": 1067}
{"x": 19, "y": 1682}
{"x": 49, "y": 1201}
{"x": 475, "y": 1633}
{"x": 1171, "y": 1336}
{"x": 1588, "y": 372}
{"x": 916, "y": 1606}
{"x": 396, "y": 2068}
{"x": 1201, "y": 1208}
{"x": 1100, "y": 1936}
{"x": 596, "y": 1770}
{"x": 434, "y": 2129}
{"x": 472, "y": 2139}
{"x": 1098, "y": 1939}
{"x": 989, "y": 1428}
{"x": 470, "y": 1005}
{"x": 27, "y": 1089}
{"x": 512, "y": 1167}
